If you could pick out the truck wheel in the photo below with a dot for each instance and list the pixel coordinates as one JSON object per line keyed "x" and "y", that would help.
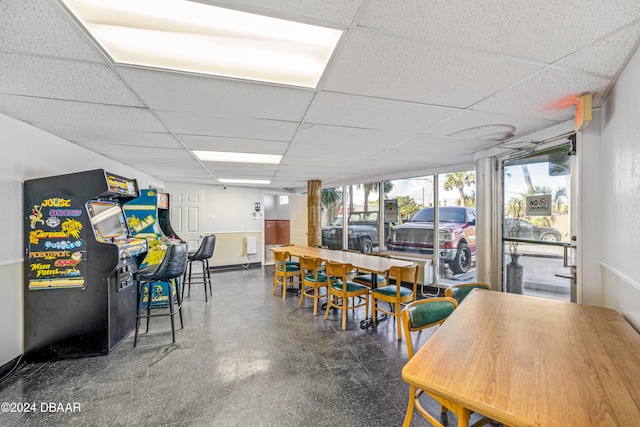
{"x": 462, "y": 262}
{"x": 367, "y": 246}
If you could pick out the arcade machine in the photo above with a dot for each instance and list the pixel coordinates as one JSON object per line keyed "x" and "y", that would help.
{"x": 164, "y": 217}
{"x": 142, "y": 216}
{"x": 79, "y": 298}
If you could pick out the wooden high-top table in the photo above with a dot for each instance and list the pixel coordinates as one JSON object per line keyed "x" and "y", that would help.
{"x": 526, "y": 361}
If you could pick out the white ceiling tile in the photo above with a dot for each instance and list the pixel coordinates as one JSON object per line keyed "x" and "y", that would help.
{"x": 217, "y": 96}
{"x": 168, "y": 165}
{"x": 38, "y": 27}
{"x": 527, "y": 99}
{"x": 418, "y": 72}
{"x": 228, "y": 166}
{"x": 470, "y": 119}
{"x": 325, "y": 161}
{"x": 142, "y": 153}
{"x": 544, "y": 30}
{"x": 342, "y": 11}
{"x": 78, "y": 114}
{"x": 238, "y": 145}
{"x": 93, "y": 137}
{"x": 340, "y": 136}
{"x": 374, "y": 113}
{"x": 409, "y": 158}
{"x": 47, "y": 77}
{"x": 200, "y": 124}
{"x": 425, "y": 144}
{"x": 191, "y": 180}
{"x": 607, "y": 55}
{"x": 406, "y": 75}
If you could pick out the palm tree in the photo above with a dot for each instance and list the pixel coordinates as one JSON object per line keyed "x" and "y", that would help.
{"x": 371, "y": 187}
{"x": 407, "y": 207}
{"x": 459, "y": 180}
{"x": 330, "y": 196}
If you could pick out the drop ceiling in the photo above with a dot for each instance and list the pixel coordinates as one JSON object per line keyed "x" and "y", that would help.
{"x": 411, "y": 87}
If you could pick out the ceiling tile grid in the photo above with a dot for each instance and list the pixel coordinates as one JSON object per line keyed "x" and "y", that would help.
{"x": 216, "y": 96}
{"x": 543, "y": 31}
{"x": 384, "y": 66}
{"x": 375, "y": 113}
{"x": 32, "y": 75}
{"x": 238, "y": 127}
{"x": 413, "y": 86}
{"x": 40, "y": 27}
{"x": 237, "y": 145}
{"x": 78, "y": 114}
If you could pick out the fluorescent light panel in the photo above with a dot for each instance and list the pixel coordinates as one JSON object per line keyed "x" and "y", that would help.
{"x": 244, "y": 181}
{"x": 224, "y": 156}
{"x": 200, "y": 38}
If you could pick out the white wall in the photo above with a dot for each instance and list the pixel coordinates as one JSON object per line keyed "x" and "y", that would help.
{"x": 619, "y": 207}
{"x": 26, "y": 153}
{"x": 228, "y": 216}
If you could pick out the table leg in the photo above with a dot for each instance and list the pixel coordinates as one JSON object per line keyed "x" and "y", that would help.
{"x": 368, "y": 322}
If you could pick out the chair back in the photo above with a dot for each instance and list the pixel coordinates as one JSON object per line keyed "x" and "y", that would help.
{"x": 174, "y": 263}
{"x": 407, "y": 274}
{"x": 425, "y": 313}
{"x": 460, "y": 292}
{"x": 281, "y": 258}
{"x": 205, "y": 251}
{"x": 338, "y": 269}
{"x": 310, "y": 263}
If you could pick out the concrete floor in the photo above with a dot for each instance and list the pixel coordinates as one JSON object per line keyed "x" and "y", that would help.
{"x": 245, "y": 358}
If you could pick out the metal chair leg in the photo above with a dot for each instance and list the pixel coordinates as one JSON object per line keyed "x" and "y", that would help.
{"x": 172, "y": 313}
{"x": 204, "y": 281}
{"x": 149, "y": 284}
{"x": 138, "y": 313}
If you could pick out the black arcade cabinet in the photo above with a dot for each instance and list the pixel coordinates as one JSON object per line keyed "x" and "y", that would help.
{"x": 79, "y": 293}
{"x": 164, "y": 215}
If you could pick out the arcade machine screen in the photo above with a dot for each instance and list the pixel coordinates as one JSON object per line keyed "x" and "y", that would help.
{"x": 107, "y": 220}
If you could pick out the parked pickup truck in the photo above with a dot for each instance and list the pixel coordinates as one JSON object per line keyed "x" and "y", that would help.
{"x": 362, "y": 232}
{"x": 457, "y": 236}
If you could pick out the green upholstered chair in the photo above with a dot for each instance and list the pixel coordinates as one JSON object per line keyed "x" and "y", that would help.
{"x": 312, "y": 280}
{"x": 344, "y": 289}
{"x": 417, "y": 316}
{"x": 367, "y": 278}
{"x": 460, "y": 292}
{"x": 395, "y": 294}
{"x": 285, "y": 274}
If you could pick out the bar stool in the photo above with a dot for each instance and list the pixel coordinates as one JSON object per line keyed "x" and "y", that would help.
{"x": 204, "y": 252}
{"x": 173, "y": 266}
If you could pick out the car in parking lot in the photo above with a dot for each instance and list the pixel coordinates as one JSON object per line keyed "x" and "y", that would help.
{"x": 457, "y": 236}
{"x": 362, "y": 232}
{"x": 530, "y": 231}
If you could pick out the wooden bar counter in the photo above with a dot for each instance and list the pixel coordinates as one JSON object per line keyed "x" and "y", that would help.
{"x": 526, "y": 361}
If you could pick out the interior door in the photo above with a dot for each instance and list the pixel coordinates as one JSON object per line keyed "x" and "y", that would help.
{"x": 299, "y": 221}
{"x": 187, "y": 216}
{"x": 537, "y": 227}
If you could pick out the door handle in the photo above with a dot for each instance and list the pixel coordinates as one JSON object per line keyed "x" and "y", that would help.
{"x": 564, "y": 276}
{"x": 565, "y": 258}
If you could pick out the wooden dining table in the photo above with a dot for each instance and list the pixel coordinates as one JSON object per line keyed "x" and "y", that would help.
{"x": 367, "y": 263}
{"x": 526, "y": 361}
{"x": 370, "y": 264}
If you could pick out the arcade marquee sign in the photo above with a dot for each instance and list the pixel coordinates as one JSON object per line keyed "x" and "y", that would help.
{"x": 56, "y": 254}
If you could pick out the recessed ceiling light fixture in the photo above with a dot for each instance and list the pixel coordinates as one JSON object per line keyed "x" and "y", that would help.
{"x": 245, "y": 181}
{"x": 200, "y": 38}
{"x": 224, "y": 156}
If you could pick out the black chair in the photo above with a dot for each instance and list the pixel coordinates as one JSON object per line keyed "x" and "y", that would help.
{"x": 173, "y": 266}
{"x": 205, "y": 251}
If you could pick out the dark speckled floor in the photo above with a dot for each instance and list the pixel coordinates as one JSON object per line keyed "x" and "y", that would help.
{"x": 246, "y": 358}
